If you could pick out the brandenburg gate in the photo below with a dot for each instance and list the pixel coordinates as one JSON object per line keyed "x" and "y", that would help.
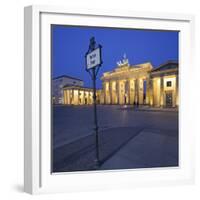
{"x": 126, "y": 84}
{"x": 132, "y": 84}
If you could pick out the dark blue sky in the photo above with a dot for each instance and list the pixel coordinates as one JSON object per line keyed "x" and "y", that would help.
{"x": 71, "y": 43}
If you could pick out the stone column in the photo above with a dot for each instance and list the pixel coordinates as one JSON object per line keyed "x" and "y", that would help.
{"x": 151, "y": 101}
{"x": 133, "y": 92}
{"x": 177, "y": 90}
{"x": 124, "y": 91}
{"x": 117, "y": 91}
{"x": 72, "y": 96}
{"x": 105, "y": 94}
{"x": 64, "y": 97}
{"x": 102, "y": 96}
{"x": 110, "y": 92}
{"x": 136, "y": 91}
{"x": 161, "y": 92}
{"x": 147, "y": 91}
{"x": 88, "y": 97}
{"x": 84, "y": 97}
{"x": 78, "y": 100}
{"x": 140, "y": 93}
{"x": 67, "y": 96}
{"x": 128, "y": 87}
{"x": 75, "y": 96}
{"x": 91, "y": 97}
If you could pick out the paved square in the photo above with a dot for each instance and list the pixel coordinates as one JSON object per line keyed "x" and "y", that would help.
{"x": 129, "y": 138}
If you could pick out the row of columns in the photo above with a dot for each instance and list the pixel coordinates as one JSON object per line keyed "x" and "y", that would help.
{"x": 124, "y": 92}
{"x": 77, "y": 97}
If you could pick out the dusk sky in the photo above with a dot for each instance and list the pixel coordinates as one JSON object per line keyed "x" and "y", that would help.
{"x": 71, "y": 43}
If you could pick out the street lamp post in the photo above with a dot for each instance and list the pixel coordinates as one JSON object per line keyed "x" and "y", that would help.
{"x": 93, "y": 63}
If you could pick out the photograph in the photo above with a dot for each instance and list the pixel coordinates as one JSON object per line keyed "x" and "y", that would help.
{"x": 114, "y": 98}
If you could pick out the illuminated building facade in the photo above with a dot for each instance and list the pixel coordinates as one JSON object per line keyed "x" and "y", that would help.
{"x": 164, "y": 81}
{"x": 58, "y": 84}
{"x": 76, "y": 95}
{"x": 141, "y": 84}
{"x": 131, "y": 84}
{"x": 127, "y": 84}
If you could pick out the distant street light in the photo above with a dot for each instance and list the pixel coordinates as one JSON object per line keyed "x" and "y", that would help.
{"x": 93, "y": 63}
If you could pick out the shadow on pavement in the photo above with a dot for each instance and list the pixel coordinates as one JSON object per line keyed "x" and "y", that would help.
{"x": 80, "y": 155}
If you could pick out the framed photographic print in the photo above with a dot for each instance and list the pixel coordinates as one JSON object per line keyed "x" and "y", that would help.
{"x": 107, "y": 101}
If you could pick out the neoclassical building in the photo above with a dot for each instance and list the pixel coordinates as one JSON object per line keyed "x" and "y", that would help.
{"x": 79, "y": 95}
{"x": 62, "y": 81}
{"x": 164, "y": 85}
{"x": 126, "y": 84}
{"x": 131, "y": 84}
{"x": 141, "y": 84}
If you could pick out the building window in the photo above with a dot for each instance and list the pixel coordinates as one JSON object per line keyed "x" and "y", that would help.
{"x": 169, "y": 83}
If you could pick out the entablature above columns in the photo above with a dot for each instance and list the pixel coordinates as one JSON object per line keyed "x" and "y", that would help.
{"x": 164, "y": 73}
{"x": 126, "y": 76}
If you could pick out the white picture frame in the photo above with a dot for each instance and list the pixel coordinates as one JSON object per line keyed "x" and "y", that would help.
{"x": 37, "y": 137}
